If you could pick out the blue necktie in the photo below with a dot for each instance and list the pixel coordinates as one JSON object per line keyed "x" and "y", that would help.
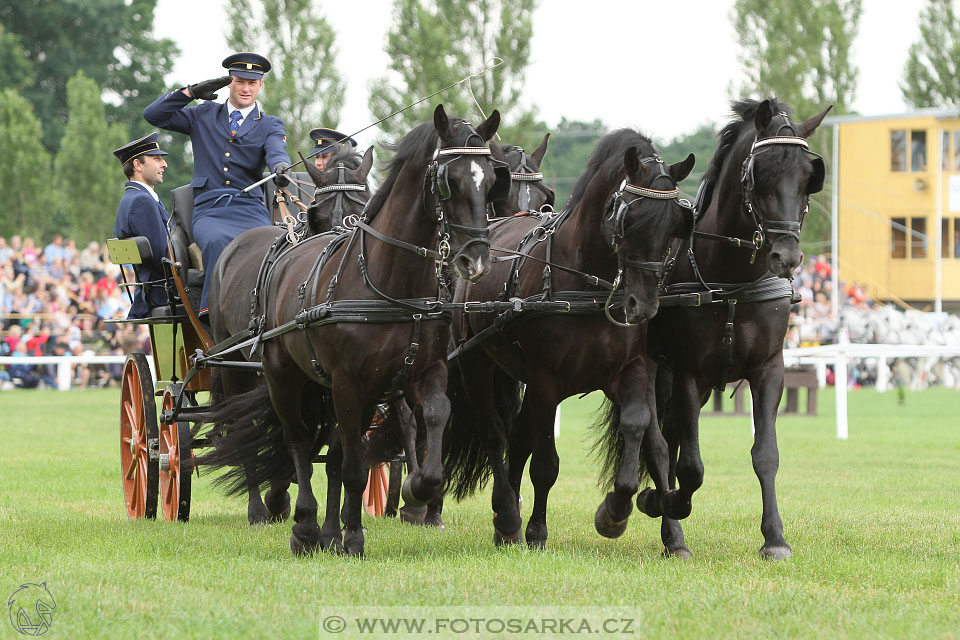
{"x": 234, "y": 122}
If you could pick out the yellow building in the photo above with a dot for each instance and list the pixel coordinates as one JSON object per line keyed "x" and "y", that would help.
{"x": 898, "y": 176}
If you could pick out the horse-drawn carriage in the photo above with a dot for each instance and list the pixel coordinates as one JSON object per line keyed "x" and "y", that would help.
{"x": 158, "y": 444}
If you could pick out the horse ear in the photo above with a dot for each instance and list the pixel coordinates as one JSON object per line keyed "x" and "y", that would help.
{"x": 312, "y": 170}
{"x": 441, "y": 122}
{"x": 541, "y": 150}
{"x": 365, "y": 165}
{"x": 806, "y": 128}
{"x": 680, "y": 170}
{"x": 631, "y": 162}
{"x": 489, "y": 126}
{"x": 763, "y": 116}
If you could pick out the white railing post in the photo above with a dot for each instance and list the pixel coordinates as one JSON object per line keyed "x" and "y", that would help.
{"x": 883, "y": 374}
{"x": 840, "y": 384}
{"x": 63, "y": 375}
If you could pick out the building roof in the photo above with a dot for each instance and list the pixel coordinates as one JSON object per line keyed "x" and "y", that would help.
{"x": 940, "y": 113}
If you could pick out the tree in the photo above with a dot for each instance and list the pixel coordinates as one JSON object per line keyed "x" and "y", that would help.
{"x": 571, "y": 144}
{"x": 16, "y": 72}
{"x": 91, "y": 189}
{"x": 702, "y": 143}
{"x": 931, "y": 76}
{"x": 26, "y": 195}
{"x": 303, "y": 87}
{"x": 799, "y": 50}
{"x": 110, "y": 40}
{"x": 431, "y": 47}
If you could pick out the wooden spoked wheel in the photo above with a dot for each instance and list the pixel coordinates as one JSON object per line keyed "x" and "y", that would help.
{"x": 176, "y": 461}
{"x": 375, "y": 495}
{"x": 138, "y": 433}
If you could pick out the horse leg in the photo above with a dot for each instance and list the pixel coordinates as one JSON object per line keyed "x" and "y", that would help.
{"x": 766, "y": 387}
{"x": 286, "y": 397}
{"x": 331, "y": 538}
{"x": 681, "y": 424}
{"x": 277, "y": 499}
{"x": 519, "y": 448}
{"x": 540, "y": 411}
{"x": 351, "y": 414}
{"x": 408, "y": 428}
{"x": 433, "y": 412}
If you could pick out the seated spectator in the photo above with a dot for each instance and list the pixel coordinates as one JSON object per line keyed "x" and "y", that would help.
{"x": 23, "y": 375}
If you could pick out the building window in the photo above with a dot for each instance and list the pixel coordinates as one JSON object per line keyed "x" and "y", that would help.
{"x": 956, "y": 238}
{"x": 898, "y": 238}
{"x": 918, "y": 238}
{"x": 956, "y": 151}
{"x": 918, "y": 151}
{"x": 898, "y": 150}
{"x": 945, "y": 150}
{"x": 945, "y": 238}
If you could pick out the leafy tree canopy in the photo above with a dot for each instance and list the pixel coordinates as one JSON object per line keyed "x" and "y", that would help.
{"x": 931, "y": 76}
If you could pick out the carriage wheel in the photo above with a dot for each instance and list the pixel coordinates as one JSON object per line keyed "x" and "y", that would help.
{"x": 375, "y": 495}
{"x": 176, "y": 462}
{"x": 138, "y": 427}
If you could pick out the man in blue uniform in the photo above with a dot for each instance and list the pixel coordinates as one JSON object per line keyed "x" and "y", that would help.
{"x": 142, "y": 214}
{"x": 232, "y": 144}
{"x": 325, "y": 141}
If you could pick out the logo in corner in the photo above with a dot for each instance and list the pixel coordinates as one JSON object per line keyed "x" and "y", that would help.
{"x": 31, "y": 609}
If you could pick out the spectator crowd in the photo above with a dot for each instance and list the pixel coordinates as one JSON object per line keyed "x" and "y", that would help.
{"x": 55, "y": 300}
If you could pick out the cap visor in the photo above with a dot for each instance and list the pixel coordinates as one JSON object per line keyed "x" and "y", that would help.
{"x": 248, "y": 75}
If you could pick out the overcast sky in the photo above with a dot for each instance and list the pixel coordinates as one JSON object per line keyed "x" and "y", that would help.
{"x": 587, "y": 58}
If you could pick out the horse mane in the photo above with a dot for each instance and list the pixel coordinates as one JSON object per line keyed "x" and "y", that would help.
{"x": 744, "y": 112}
{"x": 416, "y": 145}
{"x": 347, "y": 154}
{"x": 607, "y": 158}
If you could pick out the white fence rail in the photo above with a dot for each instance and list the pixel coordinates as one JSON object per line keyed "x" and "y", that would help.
{"x": 840, "y": 354}
{"x": 65, "y": 364}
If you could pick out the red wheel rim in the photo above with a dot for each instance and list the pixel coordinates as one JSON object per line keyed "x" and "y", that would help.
{"x": 135, "y": 427}
{"x": 375, "y": 495}
{"x": 169, "y": 465}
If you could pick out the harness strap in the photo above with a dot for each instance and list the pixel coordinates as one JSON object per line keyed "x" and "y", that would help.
{"x": 728, "y": 334}
{"x": 420, "y": 251}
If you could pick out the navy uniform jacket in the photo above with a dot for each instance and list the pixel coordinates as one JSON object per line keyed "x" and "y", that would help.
{"x": 220, "y": 160}
{"x": 140, "y": 215}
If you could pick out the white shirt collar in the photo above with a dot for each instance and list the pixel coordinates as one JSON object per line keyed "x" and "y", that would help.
{"x": 149, "y": 189}
{"x": 243, "y": 112}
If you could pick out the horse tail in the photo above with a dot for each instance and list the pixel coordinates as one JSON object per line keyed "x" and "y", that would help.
{"x": 466, "y": 461}
{"x": 247, "y": 439}
{"x": 608, "y": 446}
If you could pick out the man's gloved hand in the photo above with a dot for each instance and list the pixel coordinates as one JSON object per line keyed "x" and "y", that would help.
{"x": 281, "y": 169}
{"x": 205, "y": 90}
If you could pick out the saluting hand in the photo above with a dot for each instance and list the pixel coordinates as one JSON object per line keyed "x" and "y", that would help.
{"x": 205, "y": 90}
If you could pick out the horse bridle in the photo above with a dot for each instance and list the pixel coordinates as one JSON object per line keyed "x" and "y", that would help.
{"x": 439, "y": 186}
{"x": 525, "y": 173}
{"x": 765, "y": 226}
{"x": 619, "y": 209}
{"x": 340, "y": 190}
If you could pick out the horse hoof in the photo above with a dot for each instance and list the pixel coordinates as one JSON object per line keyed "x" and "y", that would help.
{"x": 413, "y": 515}
{"x": 407, "y": 492}
{"x": 536, "y": 545}
{"x": 353, "y": 544}
{"x": 676, "y": 506}
{"x": 501, "y": 539}
{"x": 300, "y": 547}
{"x": 776, "y": 552}
{"x": 435, "y": 522}
{"x": 677, "y": 552}
{"x": 607, "y": 526}
{"x": 258, "y": 517}
{"x": 281, "y": 512}
{"x": 647, "y": 503}
{"x": 334, "y": 547}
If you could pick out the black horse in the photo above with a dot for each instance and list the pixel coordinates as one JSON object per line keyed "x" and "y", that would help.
{"x": 340, "y": 193}
{"x": 617, "y": 227}
{"x": 751, "y": 206}
{"x": 366, "y": 319}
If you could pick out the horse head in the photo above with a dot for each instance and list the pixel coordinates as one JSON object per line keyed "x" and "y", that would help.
{"x": 640, "y": 220}
{"x": 528, "y": 192}
{"x": 778, "y": 175}
{"x": 341, "y": 189}
{"x": 465, "y": 175}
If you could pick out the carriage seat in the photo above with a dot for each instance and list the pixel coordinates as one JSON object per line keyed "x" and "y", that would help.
{"x": 184, "y": 249}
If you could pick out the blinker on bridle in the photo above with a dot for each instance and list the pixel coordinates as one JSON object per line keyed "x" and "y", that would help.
{"x": 341, "y": 189}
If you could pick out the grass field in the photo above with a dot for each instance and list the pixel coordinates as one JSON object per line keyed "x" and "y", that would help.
{"x": 874, "y": 523}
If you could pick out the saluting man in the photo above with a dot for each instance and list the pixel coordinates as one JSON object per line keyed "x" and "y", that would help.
{"x": 325, "y": 141}
{"x": 233, "y": 142}
{"x": 142, "y": 214}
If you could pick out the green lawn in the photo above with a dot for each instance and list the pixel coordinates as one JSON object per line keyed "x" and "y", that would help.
{"x": 874, "y": 523}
